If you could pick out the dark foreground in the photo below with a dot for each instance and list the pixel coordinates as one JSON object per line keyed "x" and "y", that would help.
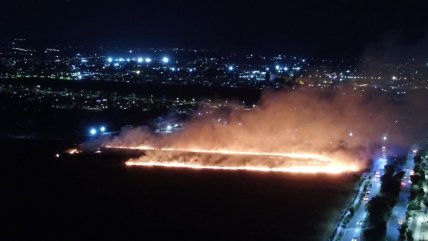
{"x": 97, "y": 198}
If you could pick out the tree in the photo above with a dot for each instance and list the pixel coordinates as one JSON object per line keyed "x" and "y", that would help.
{"x": 375, "y": 233}
{"x": 389, "y": 170}
{"x": 390, "y": 186}
{"x": 416, "y": 179}
{"x": 399, "y": 175}
{"x": 403, "y": 230}
{"x": 417, "y": 193}
{"x": 417, "y": 159}
{"x": 413, "y": 205}
{"x": 377, "y": 209}
{"x": 409, "y": 235}
{"x": 352, "y": 210}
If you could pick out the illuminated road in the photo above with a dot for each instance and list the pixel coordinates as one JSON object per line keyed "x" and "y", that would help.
{"x": 398, "y": 214}
{"x": 353, "y": 230}
{"x": 421, "y": 219}
{"x": 421, "y": 225}
{"x": 420, "y": 222}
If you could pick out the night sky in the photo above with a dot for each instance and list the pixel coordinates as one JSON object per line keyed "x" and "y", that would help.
{"x": 327, "y": 28}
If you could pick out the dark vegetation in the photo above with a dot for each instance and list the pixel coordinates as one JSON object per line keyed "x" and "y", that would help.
{"x": 418, "y": 179}
{"x": 379, "y": 208}
{"x": 95, "y": 197}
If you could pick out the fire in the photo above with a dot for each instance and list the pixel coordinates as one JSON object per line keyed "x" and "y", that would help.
{"x": 232, "y": 152}
{"x": 336, "y": 169}
{"x": 73, "y": 151}
{"x": 314, "y": 163}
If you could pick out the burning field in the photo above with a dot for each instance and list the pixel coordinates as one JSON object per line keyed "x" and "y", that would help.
{"x": 237, "y": 160}
{"x": 299, "y": 132}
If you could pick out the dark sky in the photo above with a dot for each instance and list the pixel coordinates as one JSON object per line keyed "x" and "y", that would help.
{"x": 333, "y": 27}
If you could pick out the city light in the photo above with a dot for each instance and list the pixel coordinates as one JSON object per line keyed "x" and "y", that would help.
{"x": 165, "y": 60}
{"x": 293, "y": 120}
{"x": 93, "y": 131}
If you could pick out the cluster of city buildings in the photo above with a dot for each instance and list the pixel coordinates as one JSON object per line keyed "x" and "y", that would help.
{"x": 206, "y": 68}
{"x": 37, "y": 97}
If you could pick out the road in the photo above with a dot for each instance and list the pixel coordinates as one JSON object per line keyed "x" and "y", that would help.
{"x": 398, "y": 214}
{"x": 421, "y": 226}
{"x": 353, "y": 230}
{"x": 420, "y": 223}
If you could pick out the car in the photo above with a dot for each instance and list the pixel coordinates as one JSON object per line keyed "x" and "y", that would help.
{"x": 366, "y": 198}
{"x": 354, "y": 239}
{"x": 360, "y": 222}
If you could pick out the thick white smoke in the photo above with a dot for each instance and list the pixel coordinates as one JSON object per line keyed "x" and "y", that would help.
{"x": 346, "y": 123}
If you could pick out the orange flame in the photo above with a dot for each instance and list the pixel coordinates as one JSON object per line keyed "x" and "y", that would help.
{"x": 73, "y": 151}
{"x": 336, "y": 169}
{"x": 323, "y": 164}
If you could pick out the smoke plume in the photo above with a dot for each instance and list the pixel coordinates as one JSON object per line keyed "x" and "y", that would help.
{"x": 349, "y": 124}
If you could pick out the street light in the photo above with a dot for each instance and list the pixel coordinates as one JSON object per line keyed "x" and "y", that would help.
{"x": 93, "y": 131}
{"x": 102, "y": 129}
{"x": 165, "y": 60}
